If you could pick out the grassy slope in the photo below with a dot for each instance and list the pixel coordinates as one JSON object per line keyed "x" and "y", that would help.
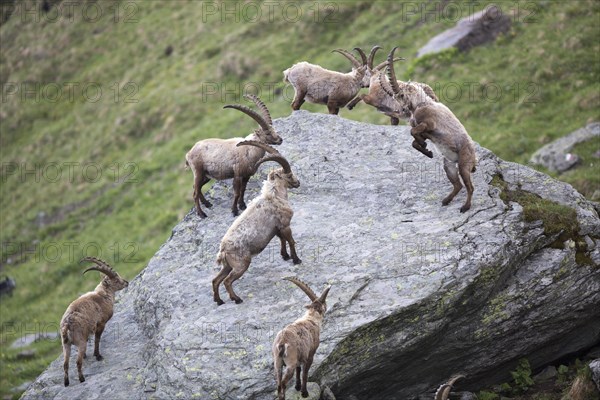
{"x": 558, "y": 51}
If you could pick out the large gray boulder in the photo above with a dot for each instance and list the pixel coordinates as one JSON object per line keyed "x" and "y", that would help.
{"x": 420, "y": 291}
{"x": 556, "y": 155}
{"x": 473, "y": 30}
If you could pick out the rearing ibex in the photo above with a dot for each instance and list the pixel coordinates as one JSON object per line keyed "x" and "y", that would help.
{"x": 435, "y": 121}
{"x": 268, "y": 215}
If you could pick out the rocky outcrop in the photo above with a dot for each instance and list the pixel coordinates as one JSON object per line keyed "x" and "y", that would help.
{"x": 420, "y": 291}
{"x": 474, "y": 30}
{"x": 557, "y": 157}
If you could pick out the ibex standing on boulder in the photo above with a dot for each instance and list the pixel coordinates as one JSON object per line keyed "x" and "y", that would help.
{"x": 322, "y": 86}
{"x": 221, "y": 159}
{"x": 296, "y": 344}
{"x": 88, "y": 314}
{"x": 268, "y": 215}
{"x": 434, "y": 121}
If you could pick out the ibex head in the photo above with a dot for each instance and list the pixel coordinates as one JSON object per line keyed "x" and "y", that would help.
{"x": 266, "y": 133}
{"x": 317, "y": 304}
{"x": 284, "y": 173}
{"x": 360, "y": 67}
{"x": 112, "y": 279}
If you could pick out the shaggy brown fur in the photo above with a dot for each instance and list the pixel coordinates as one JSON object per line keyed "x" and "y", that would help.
{"x": 89, "y": 314}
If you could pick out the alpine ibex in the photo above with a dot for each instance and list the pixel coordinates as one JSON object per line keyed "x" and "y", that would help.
{"x": 89, "y": 314}
{"x": 380, "y": 99}
{"x": 268, "y": 215}
{"x": 322, "y": 86}
{"x": 296, "y": 344}
{"x": 222, "y": 159}
{"x": 434, "y": 121}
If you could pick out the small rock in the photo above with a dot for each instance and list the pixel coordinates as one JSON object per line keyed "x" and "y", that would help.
{"x": 547, "y": 373}
{"x": 595, "y": 368}
{"x": 33, "y": 337}
{"x": 467, "y": 396}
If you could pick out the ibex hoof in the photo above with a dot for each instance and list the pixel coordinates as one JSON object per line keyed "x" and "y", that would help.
{"x": 220, "y": 302}
{"x": 84, "y": 355}
{"x": 66, "y": 382}
{"x": 99, "y": 358}
{"x": 428, "y": 153}
{"x": 81, "y": 379}
{"x": 445, "y": 202}
{"x": 285, "y": 257}
{"x": 242, "y": 206}
{"x": 465, "y": 208}
{"x": 297, "y": 261}
{"x": 235, "y": 213}
{"x": 305, "y": 394}
{"x": 202, "y": 215}
{"x": 238, "y": 301}
{"x": 207, "y": 204}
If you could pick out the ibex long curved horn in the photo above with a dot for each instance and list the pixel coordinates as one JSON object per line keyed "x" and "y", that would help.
{"x": 385, "y": 85}
{"x": 324, "y": 294}
{"x": 276, "y": 156}
{"x": 372, "y": 56}
{"x": 349, "y": 56}
{"x": 392, "y": 72}
{"x": 262, "y": 106}
{"x": 256, "y": 116}
{"x": 363, "y": 56}
{"x": 385, "y": 63}
{"x": 305, "y": 288}
{"x": 444, "y": 391}
{"x": 102, "y": 266}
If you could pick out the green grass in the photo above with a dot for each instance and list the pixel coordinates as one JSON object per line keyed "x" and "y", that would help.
{"x": 556, "y": 54}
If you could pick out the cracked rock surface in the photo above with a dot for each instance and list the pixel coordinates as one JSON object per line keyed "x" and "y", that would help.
{"x": 420, "y": 291}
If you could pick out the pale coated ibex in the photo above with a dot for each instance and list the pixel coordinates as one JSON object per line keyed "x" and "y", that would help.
{"x": 268, "y": 215}
{"x": 434, "y": 121}
{"x": 222, "y": 159}
{"x": 322, "y": 86}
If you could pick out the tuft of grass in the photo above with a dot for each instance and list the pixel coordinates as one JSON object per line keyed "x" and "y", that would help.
{"x": 557, "y": 218}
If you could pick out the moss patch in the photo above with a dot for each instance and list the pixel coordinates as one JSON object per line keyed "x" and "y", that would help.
{"x": 556, "y": 218}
